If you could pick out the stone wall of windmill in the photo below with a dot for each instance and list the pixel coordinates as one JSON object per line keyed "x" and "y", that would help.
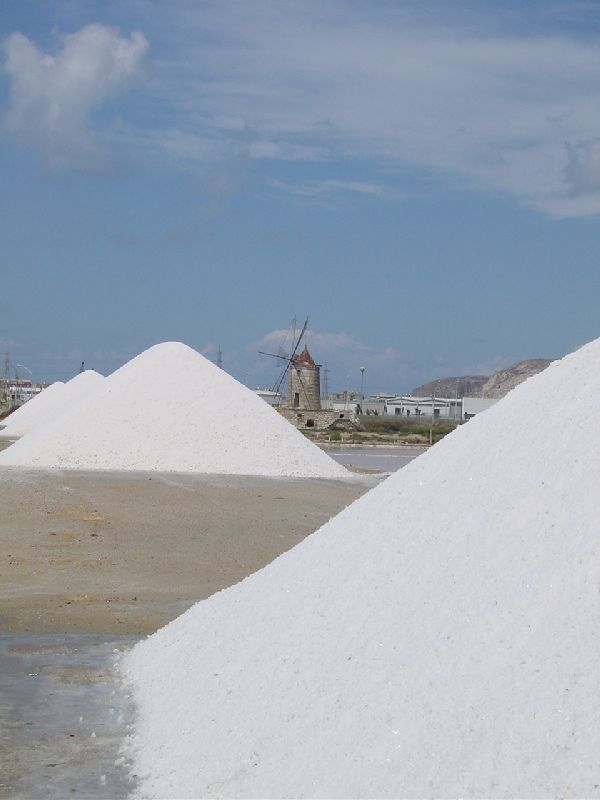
{"x": 303, "y": 398}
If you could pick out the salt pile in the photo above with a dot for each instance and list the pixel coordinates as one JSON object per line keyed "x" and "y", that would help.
{"x": 439, "y": 637}
{"x": 46, "y": 398}
{"x": 170, "y": 409}
{"x": 51, "y": 403}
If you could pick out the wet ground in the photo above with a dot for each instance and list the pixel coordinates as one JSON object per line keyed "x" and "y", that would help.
{"x": 89, "y": 555}
{"x": 381, "y": 459}
{"x": 62, "y": 717}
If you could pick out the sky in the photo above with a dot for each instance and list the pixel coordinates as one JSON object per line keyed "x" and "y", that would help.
{"x": 420, "y": 179}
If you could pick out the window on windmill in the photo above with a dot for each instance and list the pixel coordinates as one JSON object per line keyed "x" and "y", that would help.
{"x": 310, "y": 423}
{"x": 296, "y": 399}
{"x": 341, "y": 416}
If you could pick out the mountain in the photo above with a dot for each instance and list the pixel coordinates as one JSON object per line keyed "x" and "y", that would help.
{"x": 502, "y": 381}
{"x": 496, "y": 385}
{"x": 463, "y": 386}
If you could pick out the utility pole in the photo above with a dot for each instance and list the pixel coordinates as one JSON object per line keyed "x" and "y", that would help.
{"x": 5, "y": 374}
{"x": 325, "y": 382}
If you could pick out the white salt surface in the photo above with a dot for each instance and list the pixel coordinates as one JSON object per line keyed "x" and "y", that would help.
{"x": 33, "y": 409}
{"x": 51, "y": 403}
{"x": 170, "y": 409}
{"x": 439, "y": 637}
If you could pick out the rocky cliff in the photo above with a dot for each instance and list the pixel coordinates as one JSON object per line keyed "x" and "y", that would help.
{"x": 496, "y": 385}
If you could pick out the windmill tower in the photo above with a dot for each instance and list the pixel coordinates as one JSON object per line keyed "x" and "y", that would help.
{"x": 300, "y": 383}
{"x": 304, "y": 384}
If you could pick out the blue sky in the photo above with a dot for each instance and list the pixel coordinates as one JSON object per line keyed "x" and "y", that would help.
{"x": 422, "y": 179}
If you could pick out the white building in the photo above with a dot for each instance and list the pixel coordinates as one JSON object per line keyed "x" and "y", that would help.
{"x": 452, "y": 409}
{"x": 375, "y": 406}
{"x": 425, "y": 407}
{"x": 20, "y": 391}
{"x": 269, "y": 396}
{"x": 475, "y": 405}
{"x": 344, "y": 405}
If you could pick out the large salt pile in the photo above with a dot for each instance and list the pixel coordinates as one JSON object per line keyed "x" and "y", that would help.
{"x": 51, "y": 403}
{"x": 32, "y": 409}
{"x": 170, "y": 409}
{"x": 439, "y": 637}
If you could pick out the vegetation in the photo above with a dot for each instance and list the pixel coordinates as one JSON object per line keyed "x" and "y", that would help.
{"x": 386, "y": 430}
{"x": 405, "y": 426}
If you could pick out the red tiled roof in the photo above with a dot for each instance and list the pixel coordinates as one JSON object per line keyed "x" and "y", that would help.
{"x": 305, "y": 358}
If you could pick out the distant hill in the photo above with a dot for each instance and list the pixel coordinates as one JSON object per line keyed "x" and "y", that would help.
{"x": 496, "y": 385}
{"x": 502, "y": 381}
{"x": 464, "y": 386}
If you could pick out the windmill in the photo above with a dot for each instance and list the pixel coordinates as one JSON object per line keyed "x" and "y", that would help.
{"x": 290, "y": 364}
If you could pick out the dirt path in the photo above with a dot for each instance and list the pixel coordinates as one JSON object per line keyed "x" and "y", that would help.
{"x": 127, "y": 552}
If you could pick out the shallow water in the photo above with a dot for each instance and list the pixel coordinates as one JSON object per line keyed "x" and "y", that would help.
{"x": 62, "y": 716}
{"x": 384, "y": 459}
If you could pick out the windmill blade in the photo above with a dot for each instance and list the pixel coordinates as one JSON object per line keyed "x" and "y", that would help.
{"x": 279, "y": 384}
{"x": 292, "y": 356}
{"x": 288, "y": 359}
{"x": 274, "y": 355}
{"x": 302, "y": 332}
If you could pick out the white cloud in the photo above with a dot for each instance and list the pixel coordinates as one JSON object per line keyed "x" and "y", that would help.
{"x": 396, "y": 87}
{"x": 343, "y": 354}
{"x": 53, "y": 96}
{"x": 286, "y": 151}
{"x": 329, "y": 187}
{"x": 367, "y": 89}
{"x": 583, "y": 168}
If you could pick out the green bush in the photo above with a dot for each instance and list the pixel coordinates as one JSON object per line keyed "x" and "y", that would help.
{"x": 405, "y": 426}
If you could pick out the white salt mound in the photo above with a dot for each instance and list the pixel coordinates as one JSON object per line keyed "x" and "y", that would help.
{"x": 49, "y": 405}
{"x": 439, "y": 637}
{"x": 172, "y": 410}
{"x": 33, "y": 408}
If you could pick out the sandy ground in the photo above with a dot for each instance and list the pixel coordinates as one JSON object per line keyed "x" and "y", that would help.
{"x": 91, "y": 561}
{"x": 124, "y": 553}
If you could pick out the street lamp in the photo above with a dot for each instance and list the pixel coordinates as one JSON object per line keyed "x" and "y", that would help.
{"x": 28, "y": 370}
{"x": 30, "y": 378}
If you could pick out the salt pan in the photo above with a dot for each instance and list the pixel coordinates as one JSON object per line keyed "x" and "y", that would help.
{"x": 51, "y": 403}
{"x": 172, "y": 410}
{"x": 47, "y": 397}
{"x": 439, "y": 637}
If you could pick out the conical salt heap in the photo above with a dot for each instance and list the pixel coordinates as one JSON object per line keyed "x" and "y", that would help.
{"x": 170, "y": 409}
{"x": 33, "y": 409}
{"x": 51, "y": 403}
{"x": 439, "y": 637}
